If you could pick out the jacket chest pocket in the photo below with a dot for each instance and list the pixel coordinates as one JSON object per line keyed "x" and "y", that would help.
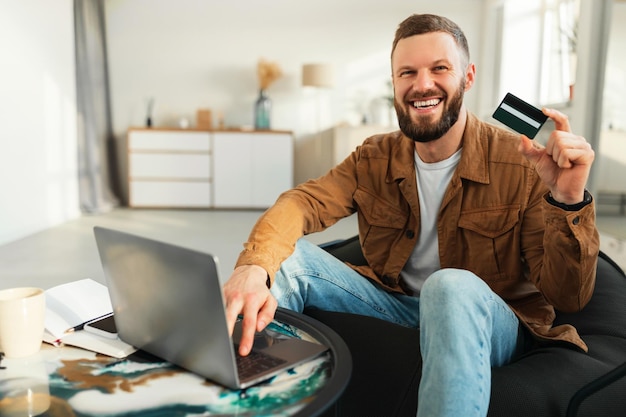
{"x": 490, "y": 244}
{"x": 381, "y": 224}
{"x": 379, "y": 212}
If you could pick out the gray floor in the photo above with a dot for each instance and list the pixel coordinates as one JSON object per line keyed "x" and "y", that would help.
{"x": 68, "y": 252}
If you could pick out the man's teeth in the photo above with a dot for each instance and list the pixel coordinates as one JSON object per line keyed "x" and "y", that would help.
{"x": 427, "y": 103}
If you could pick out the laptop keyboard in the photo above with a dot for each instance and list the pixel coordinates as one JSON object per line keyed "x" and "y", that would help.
{"x": 255, "y": 363}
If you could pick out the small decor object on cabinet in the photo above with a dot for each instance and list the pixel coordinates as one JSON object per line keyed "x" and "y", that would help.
{"x": 262, "y": 111}
{"x": 149, "y": 107}
{"x": 203, "y": 119}
{"x": 268, "y": 72}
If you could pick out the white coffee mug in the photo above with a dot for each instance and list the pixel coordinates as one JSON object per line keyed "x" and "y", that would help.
{"x": 22, "y": 312}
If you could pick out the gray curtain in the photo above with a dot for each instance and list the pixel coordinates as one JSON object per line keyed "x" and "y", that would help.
{"x": 96, "y": 143}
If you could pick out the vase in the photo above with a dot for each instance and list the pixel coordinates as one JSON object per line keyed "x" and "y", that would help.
{"x": 262, "y": 111}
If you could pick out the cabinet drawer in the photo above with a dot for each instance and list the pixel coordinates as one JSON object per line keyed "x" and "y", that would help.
{"x": 170, "y": 194}
{"x": 169, "y": 141}
{"x": 172, "y": 166}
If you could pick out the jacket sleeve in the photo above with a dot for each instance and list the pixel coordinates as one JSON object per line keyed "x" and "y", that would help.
{"x": 310, "y": 207}
{"x": 561, "y": 250}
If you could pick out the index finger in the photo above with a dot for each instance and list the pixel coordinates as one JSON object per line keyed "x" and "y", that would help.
{"x": 561, "y": 121}
{"x": 248, "y": 330}
{"x": 233, "y": 309}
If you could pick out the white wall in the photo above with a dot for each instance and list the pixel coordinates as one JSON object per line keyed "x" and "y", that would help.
{"x": 189, "y": 54}
{"x": 198, "y": 53}
{"x": 38, "y": 168}
{"x": 203, "y": 53}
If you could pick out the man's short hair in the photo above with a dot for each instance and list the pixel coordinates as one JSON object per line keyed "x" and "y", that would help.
{"x": 419, "y": 24}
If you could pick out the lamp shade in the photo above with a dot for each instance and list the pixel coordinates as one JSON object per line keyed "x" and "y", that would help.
{"x": 317, "y": 75}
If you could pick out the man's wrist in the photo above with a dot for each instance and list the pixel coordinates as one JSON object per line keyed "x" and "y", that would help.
{"x": 570, "y": 207}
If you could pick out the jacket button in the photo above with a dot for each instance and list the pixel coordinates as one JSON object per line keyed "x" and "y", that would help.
{"x": 409, "y": 234}
{"x": 576, "y": 220}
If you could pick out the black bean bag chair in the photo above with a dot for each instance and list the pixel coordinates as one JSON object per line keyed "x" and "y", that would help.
{"x": 547, "y": 381}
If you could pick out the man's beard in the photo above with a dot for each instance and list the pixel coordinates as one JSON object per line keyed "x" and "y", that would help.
{"x": 426, "y": 131}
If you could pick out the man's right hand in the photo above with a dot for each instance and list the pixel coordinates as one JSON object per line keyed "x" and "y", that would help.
{"x": 246, "y": 293}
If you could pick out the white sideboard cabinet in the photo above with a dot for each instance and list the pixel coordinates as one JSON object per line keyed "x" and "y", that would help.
{"x": 251, "y": 169}
{"x": 184, "y": 168}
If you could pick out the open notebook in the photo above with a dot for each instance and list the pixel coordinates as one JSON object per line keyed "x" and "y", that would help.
{"x": 69, "y": 306}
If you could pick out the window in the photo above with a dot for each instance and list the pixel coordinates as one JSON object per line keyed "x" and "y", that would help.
{"x": 560, "y": 33}
{"x": 538, "y": 50}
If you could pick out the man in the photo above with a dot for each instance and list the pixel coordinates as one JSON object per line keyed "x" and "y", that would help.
{"x": 471, "y": 233}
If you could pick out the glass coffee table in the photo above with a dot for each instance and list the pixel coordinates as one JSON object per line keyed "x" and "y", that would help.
{"x": 74, "y": 382}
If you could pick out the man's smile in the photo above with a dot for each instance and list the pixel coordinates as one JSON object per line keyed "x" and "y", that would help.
{"x": 426, "y": 104}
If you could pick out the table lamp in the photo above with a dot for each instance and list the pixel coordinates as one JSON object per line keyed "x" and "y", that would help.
{"x": 317, "y": 75}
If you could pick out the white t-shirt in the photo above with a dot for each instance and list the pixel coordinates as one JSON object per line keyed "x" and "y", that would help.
{"x": 432, "y": 181}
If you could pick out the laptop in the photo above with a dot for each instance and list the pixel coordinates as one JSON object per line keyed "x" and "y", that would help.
{"x": 167, "y": 300}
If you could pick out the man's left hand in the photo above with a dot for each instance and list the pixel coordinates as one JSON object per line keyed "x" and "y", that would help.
{"x": 564, "y": 163}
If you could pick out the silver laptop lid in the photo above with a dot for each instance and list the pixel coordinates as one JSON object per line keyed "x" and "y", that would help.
{"x": 168, "y": 301}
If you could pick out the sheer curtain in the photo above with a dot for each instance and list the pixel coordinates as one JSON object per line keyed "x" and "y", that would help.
{"x": 96, "y": 144}
{"x": 559, "y": 54}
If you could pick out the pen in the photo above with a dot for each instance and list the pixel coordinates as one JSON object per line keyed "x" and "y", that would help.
{"x": 82, "y": 325}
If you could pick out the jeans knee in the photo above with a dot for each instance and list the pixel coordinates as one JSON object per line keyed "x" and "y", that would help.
{"x": 453, "y": 287}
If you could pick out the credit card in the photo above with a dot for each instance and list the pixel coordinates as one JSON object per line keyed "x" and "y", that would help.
{"x": 520, "y": 116}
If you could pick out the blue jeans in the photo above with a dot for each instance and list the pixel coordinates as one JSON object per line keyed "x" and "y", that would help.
{"x": 465, "y": 328}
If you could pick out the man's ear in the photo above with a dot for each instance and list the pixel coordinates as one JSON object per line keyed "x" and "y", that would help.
{"x": 470, "y": 75}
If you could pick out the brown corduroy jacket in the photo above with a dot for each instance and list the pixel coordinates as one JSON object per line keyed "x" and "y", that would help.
{"x": 494, "y": 221}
